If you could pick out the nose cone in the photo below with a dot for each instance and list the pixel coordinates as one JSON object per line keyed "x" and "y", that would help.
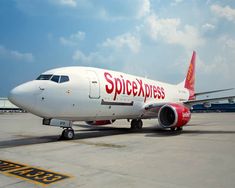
{"x": 23, "y": 96}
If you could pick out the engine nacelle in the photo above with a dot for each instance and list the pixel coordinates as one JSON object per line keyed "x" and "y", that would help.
{"x": 100, "y": 122}
{"x": 173, "y": 115}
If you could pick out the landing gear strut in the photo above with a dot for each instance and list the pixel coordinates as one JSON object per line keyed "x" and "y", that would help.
{"x": 136, "y": 124}
{"x": 67, "y": 134}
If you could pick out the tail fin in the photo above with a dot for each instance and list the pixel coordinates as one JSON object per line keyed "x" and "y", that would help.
{"x": 189, "y": 82}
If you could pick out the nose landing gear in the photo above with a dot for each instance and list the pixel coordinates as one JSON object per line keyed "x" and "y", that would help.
{"x": 68, "y": 132}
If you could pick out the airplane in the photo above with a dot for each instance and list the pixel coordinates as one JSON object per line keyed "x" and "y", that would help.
{"x": 99, "y": 97}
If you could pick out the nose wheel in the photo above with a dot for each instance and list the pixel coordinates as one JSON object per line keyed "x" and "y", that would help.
{"x": 67, "y": 134}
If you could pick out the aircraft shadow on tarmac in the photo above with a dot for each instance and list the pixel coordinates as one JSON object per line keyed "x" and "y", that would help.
{"x": 96, "y": 132}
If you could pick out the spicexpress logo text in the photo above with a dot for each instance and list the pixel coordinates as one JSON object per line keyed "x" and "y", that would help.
{"x": 120, "y": 85}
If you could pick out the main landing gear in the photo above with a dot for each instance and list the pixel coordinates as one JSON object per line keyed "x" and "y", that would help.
{"x": 136, "y": 124}
{"x": 68, "y": 134}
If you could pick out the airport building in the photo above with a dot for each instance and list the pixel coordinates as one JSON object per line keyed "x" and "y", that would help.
{"x": 7, "y": 106}
{"x": 218, "y": 107}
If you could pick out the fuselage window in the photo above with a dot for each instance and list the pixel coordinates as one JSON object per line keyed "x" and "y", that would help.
{"x": 55, "y": 78}
{"x": 64, "y": 79}
{"x": 44, "y": 77}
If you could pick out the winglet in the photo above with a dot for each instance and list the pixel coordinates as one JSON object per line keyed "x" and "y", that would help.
{"x": 190, "y": 78}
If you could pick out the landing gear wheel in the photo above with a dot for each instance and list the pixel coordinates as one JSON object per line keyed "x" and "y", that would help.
{"x": 68, "y": 134}
{"x": 133, "y": 123}
{"x": 136, "y": 124}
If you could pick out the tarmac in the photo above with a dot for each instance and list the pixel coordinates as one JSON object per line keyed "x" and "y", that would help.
{"x": 202, "y": 155}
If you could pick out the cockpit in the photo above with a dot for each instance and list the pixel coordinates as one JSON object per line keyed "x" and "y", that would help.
{"x": 54, "y": 78}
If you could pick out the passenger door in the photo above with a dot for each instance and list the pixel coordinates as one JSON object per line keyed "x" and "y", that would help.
{"x": 94, "y": 85}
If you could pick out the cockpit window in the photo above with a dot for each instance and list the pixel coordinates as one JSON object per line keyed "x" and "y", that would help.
{"x": 44, "y": 77}
{"x": 64, "y": 79}
{"x": 55, "y": 78}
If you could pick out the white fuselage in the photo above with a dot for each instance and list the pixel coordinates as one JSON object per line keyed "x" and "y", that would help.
{"x": 95, "y": 94}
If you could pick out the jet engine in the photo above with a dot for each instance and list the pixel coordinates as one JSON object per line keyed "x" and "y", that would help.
{"x": 100, "y": 122}
{"x": 173, "y": 115}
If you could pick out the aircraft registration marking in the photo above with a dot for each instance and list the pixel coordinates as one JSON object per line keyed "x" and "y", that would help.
{"x": 32, "y": 174}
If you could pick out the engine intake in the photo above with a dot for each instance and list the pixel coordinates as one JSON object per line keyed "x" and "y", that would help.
{"x": 173, "y": 115}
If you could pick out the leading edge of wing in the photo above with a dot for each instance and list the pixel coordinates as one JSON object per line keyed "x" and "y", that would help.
{"x": 213, "y": 91}
{"x": 192, "y": 102}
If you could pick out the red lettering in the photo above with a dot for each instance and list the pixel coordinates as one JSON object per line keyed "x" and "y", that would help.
{"x": 134, "y": 88}
{"x": 108, "y": 79}
{"x": 159, "y": 92}
{"x": 163, "y": 93}
{"x": 147, "y": 91}
{"x": 151, "y": 91}
{"x": 154, "y": 92}
{"x": 128, "y": 90}
{"x": 123, "y": 83}
{"x": 141, "y": 90}
{"x": 118, "y": 87}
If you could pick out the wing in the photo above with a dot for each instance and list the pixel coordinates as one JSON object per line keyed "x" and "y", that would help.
{"x": 214, "y": 91}
{"x": 199, "y": 101}
{"x": 152, "y": 109}
{"x": 155, "y": 107}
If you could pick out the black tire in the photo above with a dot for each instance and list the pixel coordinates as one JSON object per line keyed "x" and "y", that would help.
{"x": 139, "y": 124}
{"x": 68, "y": 134}
{"x": 133, "y": 124}
{"x": 136, "y": 124}
{"x": 179, "y": 128}
{"x": 63, "y": 133}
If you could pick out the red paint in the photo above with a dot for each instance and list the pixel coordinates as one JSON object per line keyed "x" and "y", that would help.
{"x": 129, "y": 90}
{"x": 135, "y": 88}
{"x": 190, "y": 78}
{"x": 163, "y": 93}
{"x": 108, "y": 79}
{"x": 183, "y": 113}
{"x": 120, "y": 85}
{"x": 100, "y": 122}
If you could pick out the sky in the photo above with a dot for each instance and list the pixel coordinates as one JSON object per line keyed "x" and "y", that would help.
{"x": 149, "y": 38}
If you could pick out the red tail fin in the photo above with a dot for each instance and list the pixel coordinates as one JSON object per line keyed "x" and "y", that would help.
{"x": 190, "y": 78}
